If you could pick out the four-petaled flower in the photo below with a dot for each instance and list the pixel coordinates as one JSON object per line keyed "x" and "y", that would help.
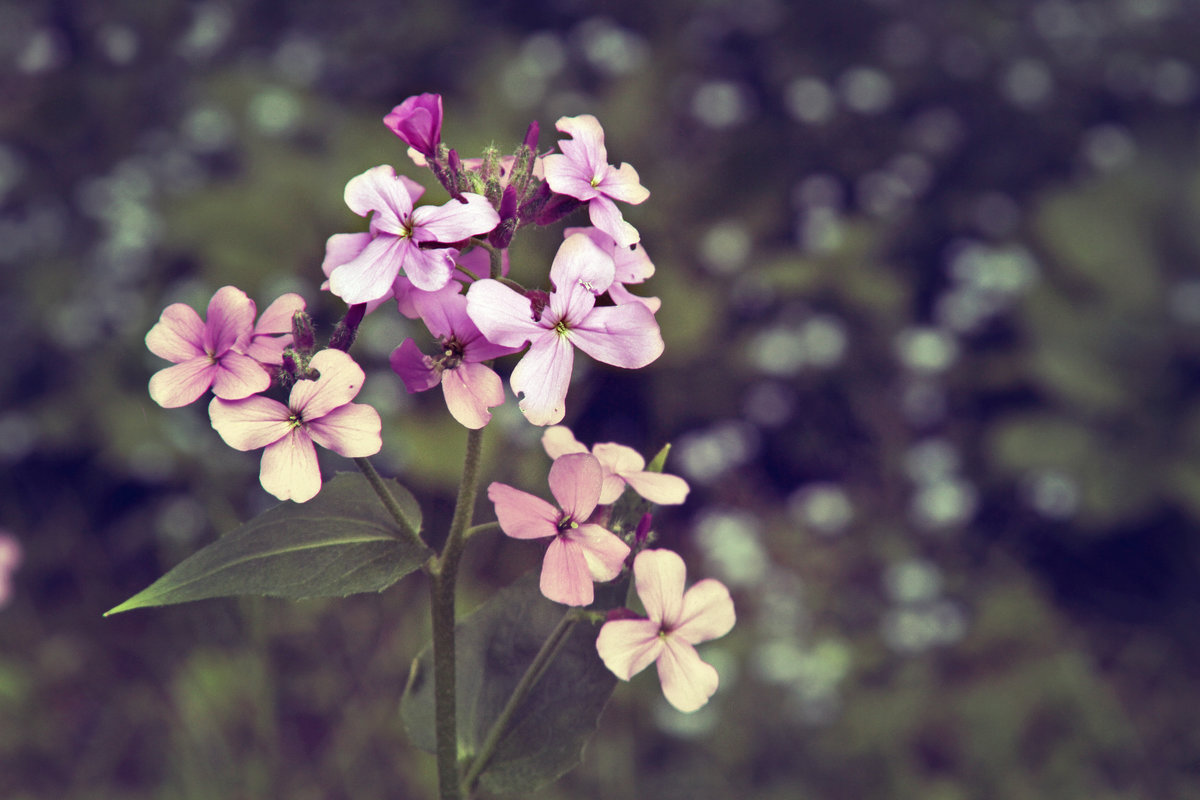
{"x": 469, "y": 386}
{"x": 621, "y": 465}
{"x": 582, "y": 171}
{"x": 206, "y": 353}
{"x": 677, "y": 621}
{"x": 580, "y": 552}
{"x": 624, "y": 336}
{"x": 396, "y": 232}
{"x": 317, "y": 411}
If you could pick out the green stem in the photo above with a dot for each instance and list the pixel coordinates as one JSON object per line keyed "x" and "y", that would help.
{"x": 545, "y": 656}
{"x": 389, "y": 502}
{"x": 444, "y": 571}
{"x": 475, "y": 530}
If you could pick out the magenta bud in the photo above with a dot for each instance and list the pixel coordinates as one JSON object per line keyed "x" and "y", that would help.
{"x": 347, "y": 329}
{"x": 643, "y": 528}
{"x": 531, "y": 136}
{"x": 620, "y": 613}
{"x": 502, "y": 234}
{"x": 555, "y": 208}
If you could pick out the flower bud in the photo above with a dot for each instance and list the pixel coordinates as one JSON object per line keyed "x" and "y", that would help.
{"x": 347, "y": 330}
{"x": 303, "y": 337}
{"x": 418, "y": 122}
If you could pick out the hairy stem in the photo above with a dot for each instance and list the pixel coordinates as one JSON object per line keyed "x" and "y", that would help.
{"x": 389, "y": 501}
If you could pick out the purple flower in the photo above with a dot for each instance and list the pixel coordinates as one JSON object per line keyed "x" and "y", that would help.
{"x": 621, "y": 466}
{"x": 418, "y": 121}
{"x": 677, "y": 621}
{"x": 397, "y": 229}
{"x": 630, "y": 265}
{"x": 580, "y": 552}
{"x": 318, "y": 411}
{"x": 206, "y": 353}
{"x": 470, "y": 387}
{"x": 624, "y": 336}
{"x": 582, "y": 171}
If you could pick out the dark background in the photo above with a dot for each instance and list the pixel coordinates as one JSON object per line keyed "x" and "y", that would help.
{"x": 932, "y": 312}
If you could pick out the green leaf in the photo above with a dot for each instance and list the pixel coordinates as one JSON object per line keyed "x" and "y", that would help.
{"x": 341, "y": 542}
{"x": 494, "y": 646}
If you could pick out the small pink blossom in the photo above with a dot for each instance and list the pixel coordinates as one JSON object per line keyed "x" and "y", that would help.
{"x": 10, "y": 559}
{"x": 677, "y": 621}
{"x": 396, "y": 232}
{"x": 206, "y": 353}
{"x": 418, "y": 122}
{"x": 621, "y": 466}
{"x": 318, "y": 411}
{"x": 266, "y": 345}
{"x": 469, "y": 386}
{"x": 630, "y": 265}
{"x": 624, "y": 336}
{"x": 580, "y": 552}
{"x": 582, "y": 171}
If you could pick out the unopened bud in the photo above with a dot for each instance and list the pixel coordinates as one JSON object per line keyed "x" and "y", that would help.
{"x": 347, "y": 329}
{"x": 303, "y": 337}
{"x": 643, "y": 529}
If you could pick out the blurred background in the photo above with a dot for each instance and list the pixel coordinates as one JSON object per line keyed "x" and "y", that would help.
{"x": 931, "y": 300}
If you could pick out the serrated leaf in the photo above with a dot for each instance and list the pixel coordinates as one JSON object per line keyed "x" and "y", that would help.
{"x": 341, "y": 542}
{"x": 494, "y": 646}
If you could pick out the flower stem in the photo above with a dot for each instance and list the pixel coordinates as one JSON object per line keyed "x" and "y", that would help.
{"x": 443, "y": 572}
{"x": 389, "y": 501}
{"x": 545, "y": 656}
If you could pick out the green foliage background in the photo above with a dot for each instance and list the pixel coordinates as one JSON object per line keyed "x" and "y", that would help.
{"x": 932, "y": 311}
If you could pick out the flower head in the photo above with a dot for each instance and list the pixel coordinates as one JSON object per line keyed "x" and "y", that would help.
{"x": 418, "y": 122}
{"x": 318, "y": 411}
{"x": 677, "y": 620}
{"x": 208, "y": 353}
{"x": 624, "y": 336}
{"x": 582, "y": 171}
{"x": 580, "y": 552}
{"x": 621, "y": 466}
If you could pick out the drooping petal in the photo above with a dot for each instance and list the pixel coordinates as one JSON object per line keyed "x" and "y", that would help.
{"x": 628, "y": 646}
{"x": 565, "y": 575}
{"x": 558, "y": 441}
{"x": 229, "y": 320}
{"x": 622, "y": 183}
{"x": 470, "y": 390}
{"x": 624, "y": 336}
{"x": 657, "y": 487}
{"x": 250, "y": 423}
{"x": 369, "y": 276}
{"x": 183, "y": 383}
{"x": 605, "y": 215}
{"x": 617, "y": 460}
{"x": 504, "y": 316}
{"x": 522, "y": 515}
{"x": 289, "y": 468}
{"x": 237, "y": 376}
{"x": 337, "y": 385}
{"x": 660, "y": 576}
{"x": 455, "y": 220}
{"x": 352, "y": 430}
{"x": 687, "y": 682}
{"x": 414, "y": 367}
{"x": 707, "y": 613}
{"x": 587, "y": 141}
{"x": 620, "y": 295}
{"x": 603, "y": 550}
{"x": 575, "y": 481}
{"x": 543, "y": 376}
{"x": 178, "y": 335}
{"x": 429, "y": 270}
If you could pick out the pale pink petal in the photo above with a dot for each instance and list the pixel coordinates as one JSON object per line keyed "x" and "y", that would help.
{"x": 618, "y": 458}
{"x": 183, "y": 383}
{"x": 623, "y": 184}
{"x": 455, "y": 221}
{"x": 230, "y": 319}
{"x": 657, "y": 487}
{"x": 628, "y": 646}
{"x": 414, "y": 367}
{"x": 370, "y": 275}
{"x": 707, "y": 613}
{"x": 558, "y": 441}
{"x": 570, "y": 304}
{"x": 289, "y": 468}
{"x": 504, "y": 316}
{"x": 342, "y": 248}
{"x": 603, "y": 550}
{"x": 238, "y": 376}
{"x": 278, "y": 316}
{"x": 380, "y": 190}
{"x": 429, "y": 270}
{"x": 620, "y": 295}
{"x": 522, "y": 515}
{"x": 470, "y": 390}
{"x": 613, "y": 488}
{"x": 352, "y": 430}
{"x": 565, "y": 575}
{"x": 624, "y": 336}
{"x": 250, "y": 423}
{"x": 268, "y": 349}
{"x": 605, "y": 215}
{"x": 587, "y": 141}
{"x": 687, "y": 682}
{"x": 660, "y": 576}
{"x": 178, "y": 335}
{"x": 407, "y": 295}
{"x": 581, "y": 260}
{"x": 337, "y": 385}
{"x": 543, "y": 376}
{"x": 565, "y": 176}
{"x": 575, "y": 483}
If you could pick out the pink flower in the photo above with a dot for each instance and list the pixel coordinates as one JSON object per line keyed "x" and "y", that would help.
{"x": 580, "y": 552}
{"x": 418, "y": 122}
{"x": 621, "y": 465}
{"x": 396, "y": 231}
{"x": 265, "y": 345}
{"x": 10, "y": 559}
{"x": 470, "y": 387}
{"x": 317, "y": 411}
{"x": 624, "y": 336}
{"x": 630, "y": 265}
{"x": 206, "y": 353}
{"x": 582, "y": 171}
{"x": 677, "y": 621}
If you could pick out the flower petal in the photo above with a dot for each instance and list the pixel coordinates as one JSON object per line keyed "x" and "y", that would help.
{"x": 624, "y": 336}
{"x": 278, "y": 316}
{"x": 369, "y": 276}
{"x": 429, "y": 270}
{"x": 622, "y": 183}
{"x": 660, "y": 576}
{"x": 289, "y": 468}
{"x": 455, "y": 220}
{"x": 605, "y": 215}
{"x": 581, "y": 260}
{"x": 470, "y": 390}
{"x": 237, "y": 376}
{"x": 707, "y": 612}
{"x": 687, "y": 682}
{"x": 666, "y": 490}
{"x": 558, "y": 441}
{"x": 183, "y": 383}
{"x": 628, "y": 646}
{"x": 604, "y": 551}
{"x": 178, "y": 335}
{"x": 522, "y": 515}
{"x": 339, "y": 383}
{"x": 379, "y": 189}
{"x": 565, "y": 575}
{"x": 504, "y": 316}
{"x": 229, "y": 320}
{"x": 250, "y": 423}
{"x": 352, "y": 430}
{"x": 414, "y": 367}
{"x": 575, "y": 481}
{"x": 543, "y": 376}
